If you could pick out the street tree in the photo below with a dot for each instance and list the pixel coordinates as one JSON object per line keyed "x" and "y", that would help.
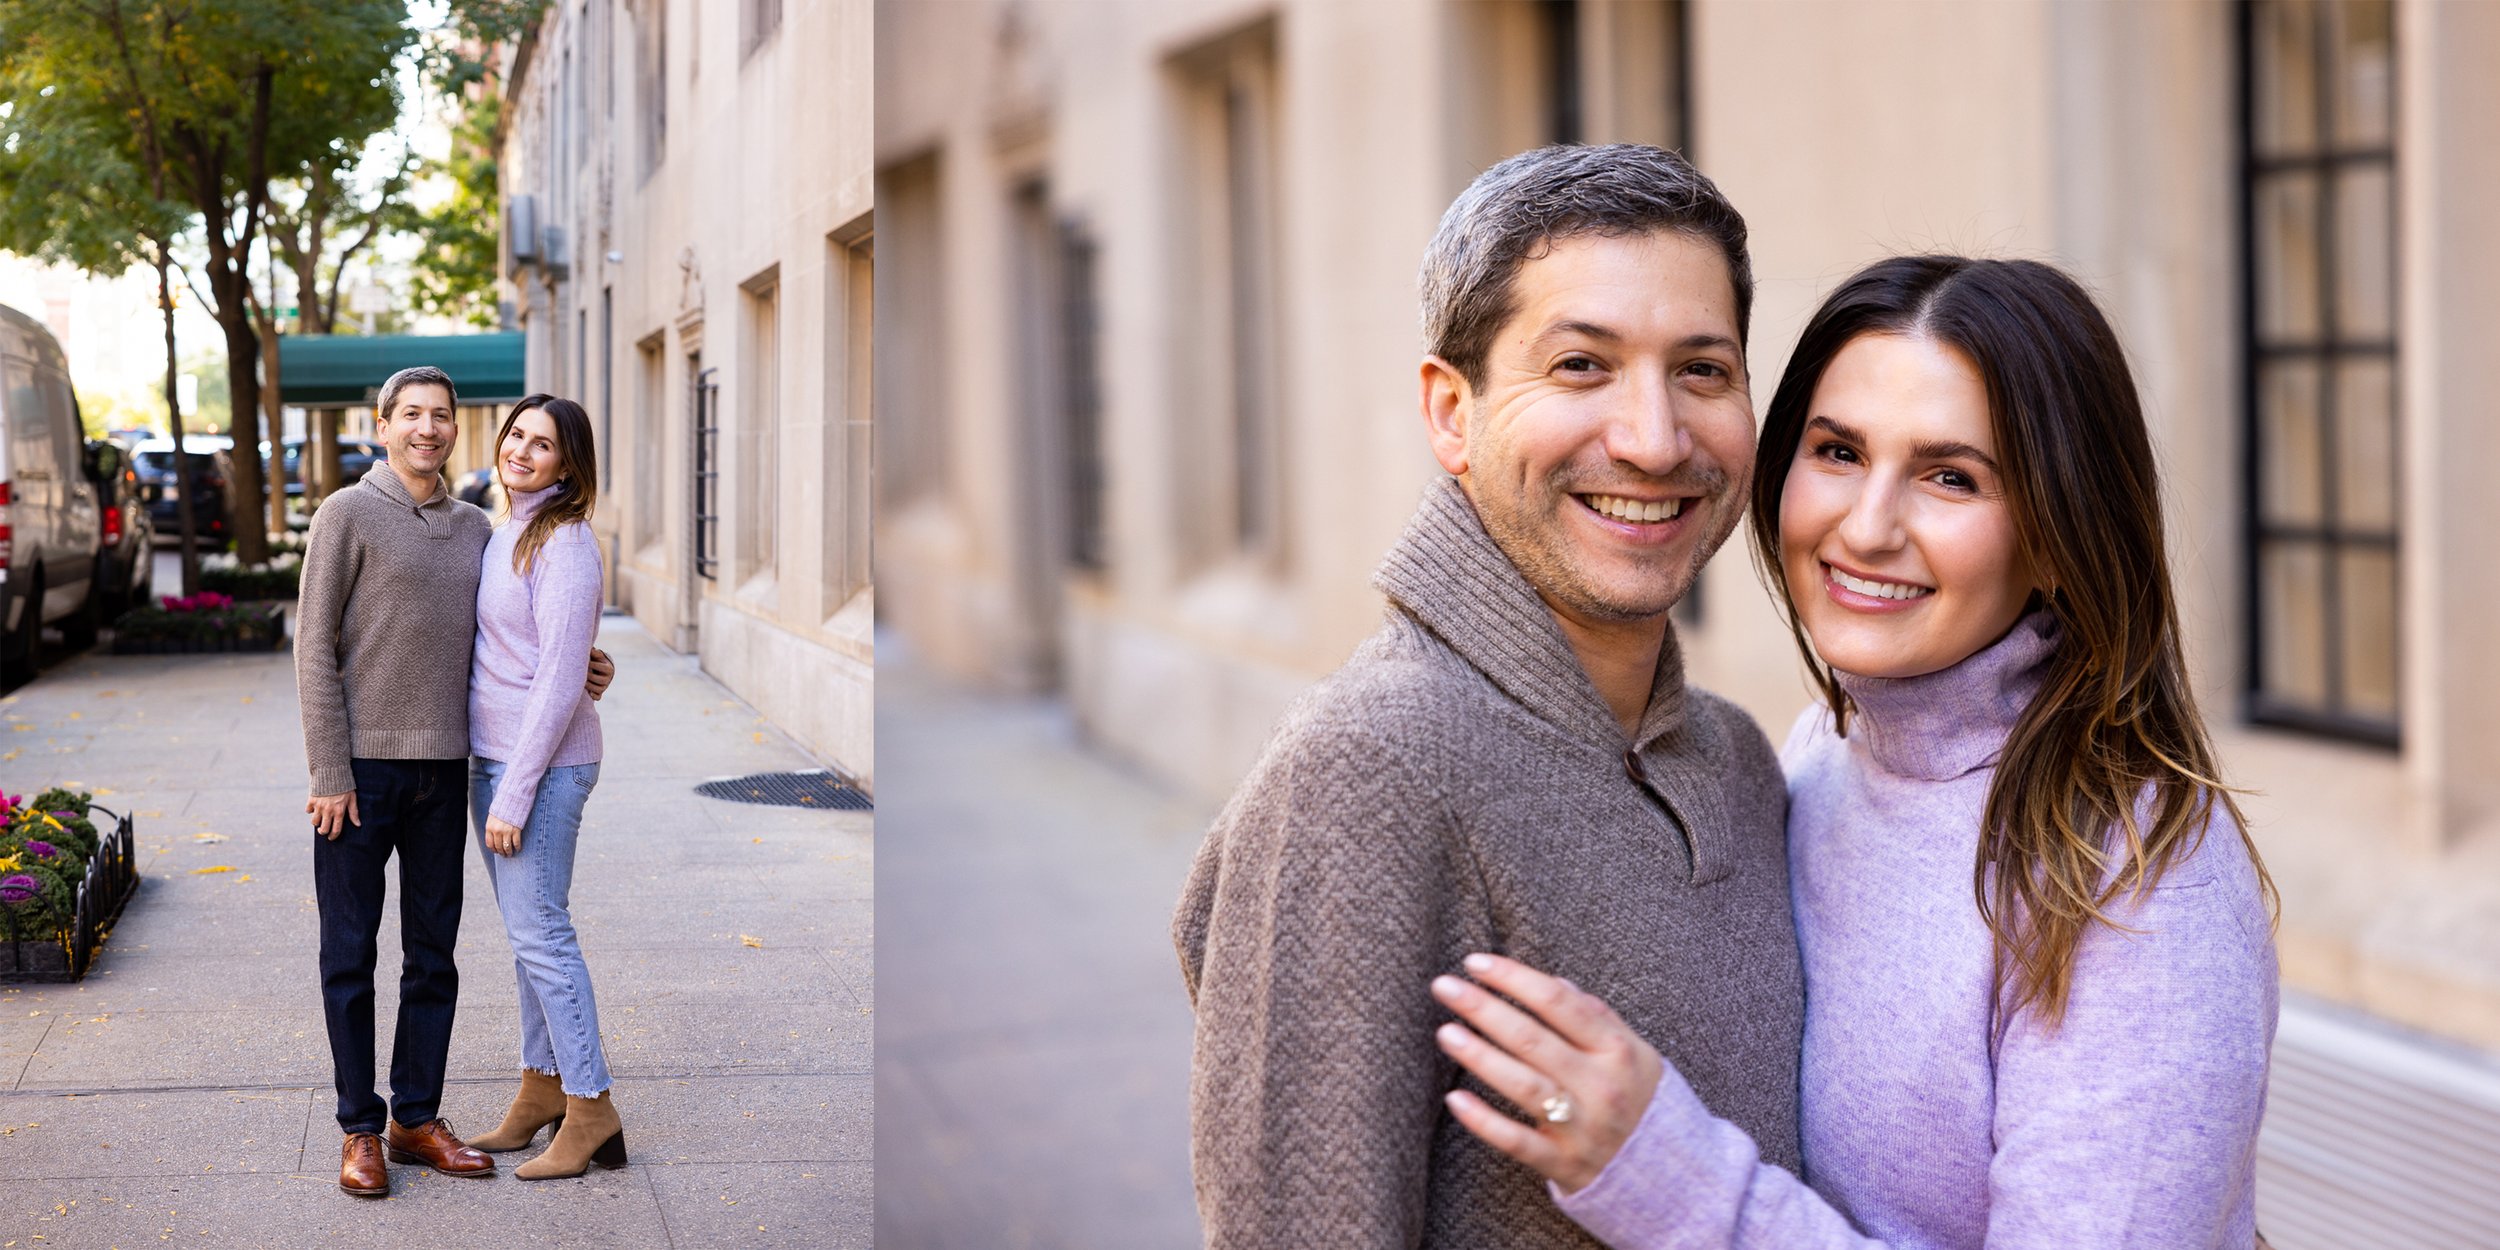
{"x": 207, "y": 102}
{"x": 116, "y": 214}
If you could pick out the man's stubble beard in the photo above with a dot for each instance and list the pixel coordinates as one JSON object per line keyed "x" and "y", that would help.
{"x": 1531, "y": 548}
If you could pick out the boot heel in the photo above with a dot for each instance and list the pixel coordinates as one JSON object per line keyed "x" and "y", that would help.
{"x": 611, "y": 1153}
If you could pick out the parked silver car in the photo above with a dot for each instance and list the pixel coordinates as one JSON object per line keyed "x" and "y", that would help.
{"x": 50, "y": 527}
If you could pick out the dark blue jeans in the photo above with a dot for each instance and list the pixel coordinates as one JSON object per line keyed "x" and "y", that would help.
{"x": 419, "y": 809}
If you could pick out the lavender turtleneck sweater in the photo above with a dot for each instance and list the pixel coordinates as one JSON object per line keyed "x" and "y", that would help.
{"x": 526, "y": 704}
{"x": 2133, "y": 1125}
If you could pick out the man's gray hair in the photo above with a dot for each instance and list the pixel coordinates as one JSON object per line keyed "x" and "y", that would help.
{"x": 1515, "y": 211}
{"x": 414, "y": 375}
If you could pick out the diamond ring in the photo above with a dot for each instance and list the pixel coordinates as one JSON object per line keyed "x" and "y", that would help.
{"x": 1558, "y": 1109}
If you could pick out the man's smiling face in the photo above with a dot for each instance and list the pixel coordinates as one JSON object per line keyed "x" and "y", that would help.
{"x": 1610, "y": 447}
{"x": 420, "y": 429}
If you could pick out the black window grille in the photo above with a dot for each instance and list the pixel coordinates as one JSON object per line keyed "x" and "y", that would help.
{"x": 705, "y": 403}
{"x": 1080, "y": 373}
{"x": 2320, "y": 426}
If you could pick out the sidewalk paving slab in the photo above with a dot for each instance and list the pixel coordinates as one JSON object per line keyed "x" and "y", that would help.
{"x": 1034, "y": 1089}
{"x": 181, "y": 1094}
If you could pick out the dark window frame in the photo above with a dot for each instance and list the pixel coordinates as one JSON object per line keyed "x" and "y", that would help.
{"x": 2334, "y": 717}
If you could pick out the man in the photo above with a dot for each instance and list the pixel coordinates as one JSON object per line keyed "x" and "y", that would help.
{"x": 1514, "y": 763}
{"x": 385, "y": 624}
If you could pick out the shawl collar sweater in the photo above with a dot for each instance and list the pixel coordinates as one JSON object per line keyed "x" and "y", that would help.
{"x": 2133, "y": 1124}
{"x": 534, "y": 631}
{"x": 383, "y": 626}
{"x": 1459, "y": 785}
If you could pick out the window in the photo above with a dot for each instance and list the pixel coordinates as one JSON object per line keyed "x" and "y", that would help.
{"x": 1228, "y": 304}
{"x": 757, "y": 20}
{"x": 911, "y": 402}
{"x": 1567, "y": 71}
{"x": 1080, "y": 378}
{"x": 758, "y": 432}
{"x": 2318, "y": 226}
{"x": 651, "y": 81}
{"x": 850, "y": 289}
{"x": 650, "y": 446}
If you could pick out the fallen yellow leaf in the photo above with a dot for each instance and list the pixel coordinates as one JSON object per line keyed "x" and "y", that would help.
{"x": 214, "y": 868}
{"x": 208, "y": 837}
{"x": 756, "y": 942}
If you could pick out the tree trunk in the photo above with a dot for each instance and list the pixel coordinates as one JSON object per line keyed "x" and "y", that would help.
{"x": 274, "y": 396}
{"x": 251, "y": 541}
{"x": 188, "y": 524}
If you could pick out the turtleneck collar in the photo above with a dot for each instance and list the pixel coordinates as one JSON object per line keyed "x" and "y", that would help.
{"x": 1941, "y": 725}
{"x": 525, "y": 502}
{"x": 1448, "y": 574}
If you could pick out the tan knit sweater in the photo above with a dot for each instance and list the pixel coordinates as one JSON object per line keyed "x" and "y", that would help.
{"x": 1458, "y": 786}
{"x": 384, "y": 627}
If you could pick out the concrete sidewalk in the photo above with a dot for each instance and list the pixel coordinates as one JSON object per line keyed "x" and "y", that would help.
{"x": 181, "y": 1094}
{"x": 1034, "y": 1087}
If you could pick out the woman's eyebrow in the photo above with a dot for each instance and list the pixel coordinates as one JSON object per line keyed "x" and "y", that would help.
{"x": 1951, "y": 449}
{"x": 1836, "y": 430}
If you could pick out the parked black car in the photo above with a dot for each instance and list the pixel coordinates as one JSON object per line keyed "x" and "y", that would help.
{"x": 211, "y": 469}
{"x": 356, "y": 458}
{"x": 126, "y": 567}
{"x": 478, "y": 486}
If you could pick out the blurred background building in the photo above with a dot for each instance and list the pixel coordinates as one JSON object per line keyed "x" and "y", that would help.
{"x": 1148, "y": 403}
{"x": 686, "y": 244}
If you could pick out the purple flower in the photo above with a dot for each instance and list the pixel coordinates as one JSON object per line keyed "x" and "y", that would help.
{"x": 41, "y": 849}
{"x": 19, "y": 889}
{"x": 65, "y": 815}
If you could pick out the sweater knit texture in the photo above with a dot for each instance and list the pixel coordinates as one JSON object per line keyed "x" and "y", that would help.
{"x": 527, "y": 708}
{"x": 2132, "y": 1125}
{"x": 384, "y": 621}
{"x": 1459, "y": 785}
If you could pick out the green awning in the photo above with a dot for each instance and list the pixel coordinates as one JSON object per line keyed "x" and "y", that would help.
{"x": 329, "y": 370}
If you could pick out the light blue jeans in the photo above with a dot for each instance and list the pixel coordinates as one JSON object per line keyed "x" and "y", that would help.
{"x": 533, "y": 889}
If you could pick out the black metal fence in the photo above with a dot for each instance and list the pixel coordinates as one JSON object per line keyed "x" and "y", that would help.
{"x": 38, "y": 943}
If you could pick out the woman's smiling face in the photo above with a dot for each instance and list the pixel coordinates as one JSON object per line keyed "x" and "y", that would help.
{"x": 531, "y": 457}
{"x": 1896, "y": 538}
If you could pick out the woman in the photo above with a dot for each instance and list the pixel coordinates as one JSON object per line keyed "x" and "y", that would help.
{"x": 536, "y": 747}
{"x": 2040, "y": 979}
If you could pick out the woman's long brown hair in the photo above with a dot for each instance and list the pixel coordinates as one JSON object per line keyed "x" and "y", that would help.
{"x": 576, "y": 491}
{"x": 2110, "y": 760}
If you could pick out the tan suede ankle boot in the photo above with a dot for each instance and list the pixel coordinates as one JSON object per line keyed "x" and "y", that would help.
{"x": 539, "y": 1104}
{"x": 592, "y": 1133}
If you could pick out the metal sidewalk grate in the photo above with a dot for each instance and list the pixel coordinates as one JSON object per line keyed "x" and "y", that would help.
{"x": 817, "y": 788}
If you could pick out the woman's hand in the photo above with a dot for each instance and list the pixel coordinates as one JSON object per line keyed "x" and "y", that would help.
{"x": 1575, "y": 1064}
{"x": 502, "y": 836}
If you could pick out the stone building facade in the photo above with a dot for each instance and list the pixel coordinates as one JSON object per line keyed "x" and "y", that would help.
{"x": 687, "y": 244}
{"x": 1149, "y": 410}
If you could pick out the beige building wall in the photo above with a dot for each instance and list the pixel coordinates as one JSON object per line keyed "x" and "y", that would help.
{"x": 2101, "y": 137}
{"x": 702, "y": 177}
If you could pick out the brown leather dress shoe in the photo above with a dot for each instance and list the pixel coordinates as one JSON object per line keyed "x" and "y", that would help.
{"x": 360, "y": 1167}
{"x": 433, "y": 1145}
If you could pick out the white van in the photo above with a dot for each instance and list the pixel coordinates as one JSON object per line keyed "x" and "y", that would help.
{"x": 50, "y": 529}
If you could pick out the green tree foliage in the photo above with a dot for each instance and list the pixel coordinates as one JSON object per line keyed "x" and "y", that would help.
{"x": 455, "y": 274}
{"x": 125, "y": 115}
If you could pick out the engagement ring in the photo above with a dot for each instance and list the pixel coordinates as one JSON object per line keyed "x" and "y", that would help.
{"x": 1558, "y": 1109}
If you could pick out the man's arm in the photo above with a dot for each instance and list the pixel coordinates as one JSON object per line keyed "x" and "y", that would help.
{"x": 1326, "y": 898}
{"x": 331, "y": 563}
